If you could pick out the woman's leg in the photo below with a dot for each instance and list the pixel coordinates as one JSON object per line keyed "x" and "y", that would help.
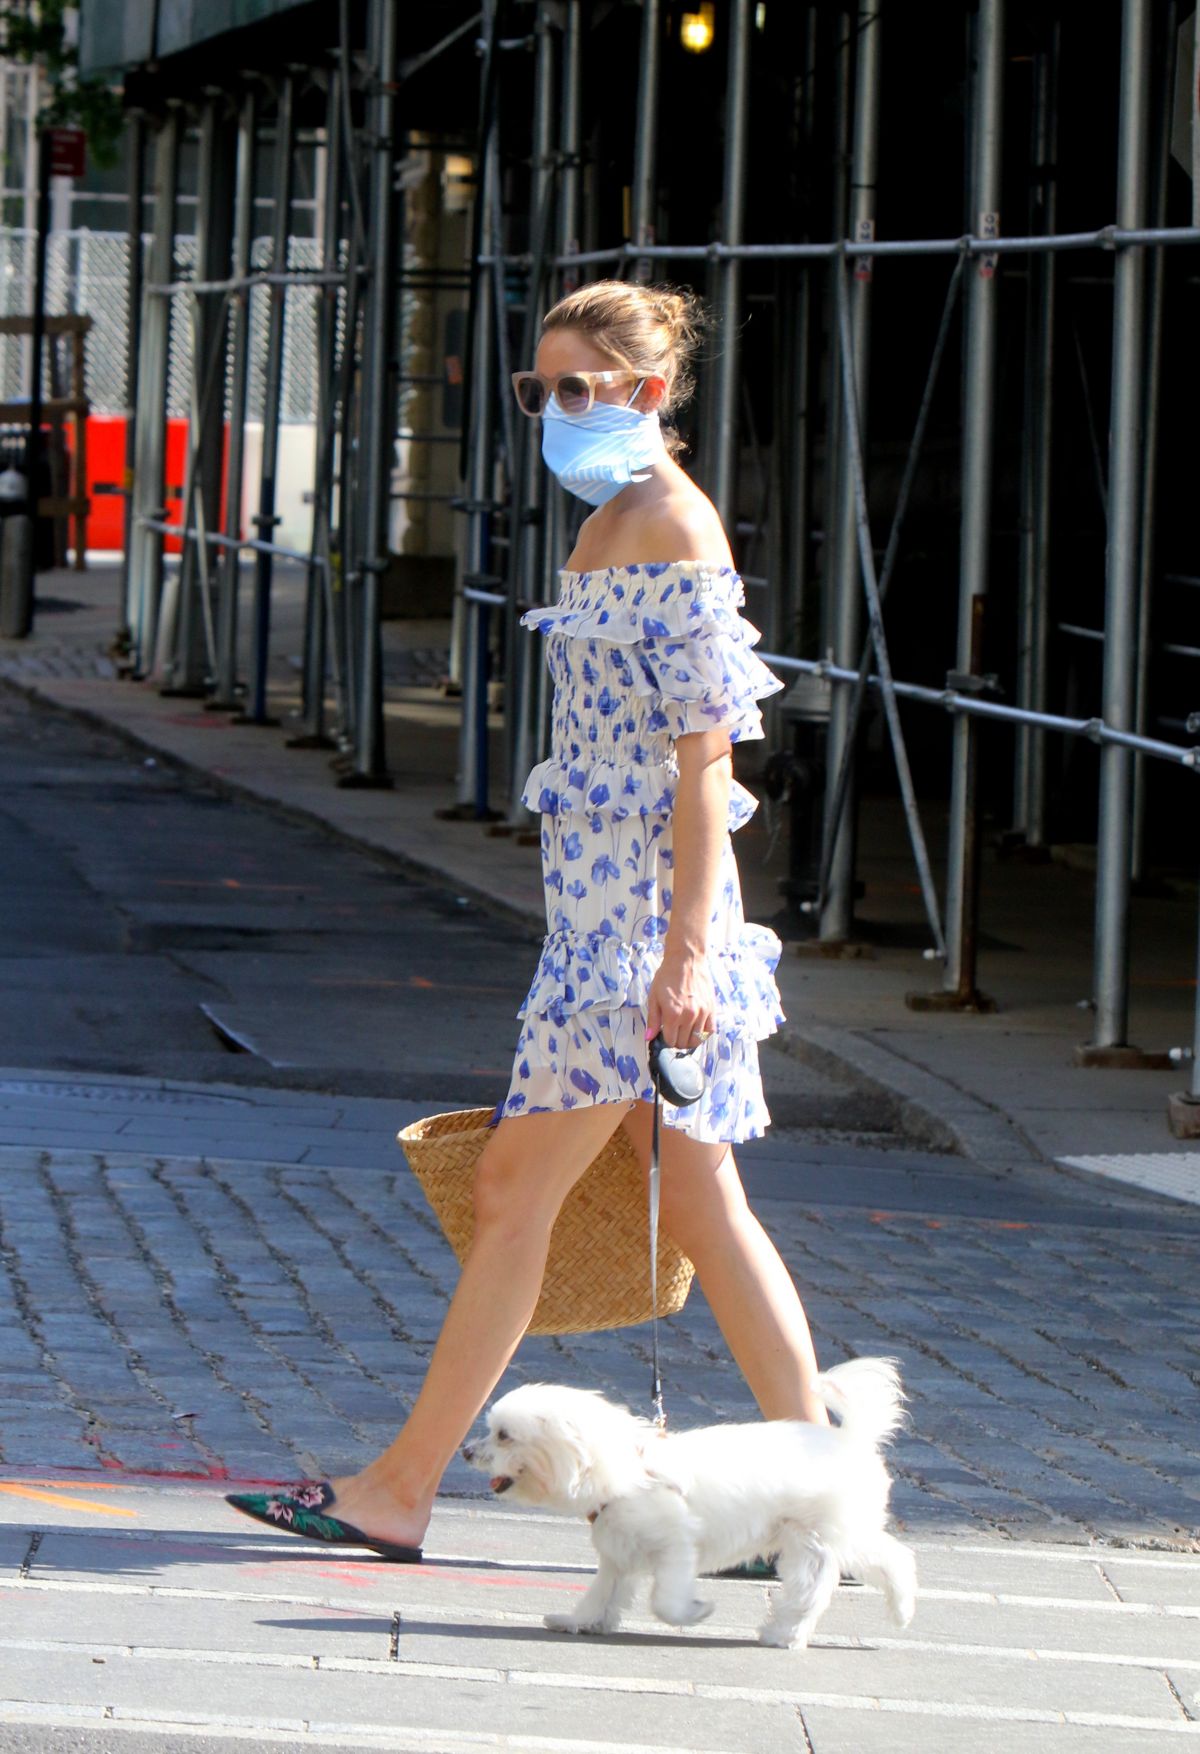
{"x": 525, "y": 1173}
{"x": 748, "y": 1288}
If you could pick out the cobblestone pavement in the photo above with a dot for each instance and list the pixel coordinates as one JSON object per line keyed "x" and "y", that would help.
{"x": 224, "y": 1316}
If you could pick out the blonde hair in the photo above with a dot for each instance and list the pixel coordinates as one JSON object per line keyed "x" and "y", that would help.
{"x": 652, "y": 330}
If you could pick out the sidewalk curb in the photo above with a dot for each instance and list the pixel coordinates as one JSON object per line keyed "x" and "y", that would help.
{"x": 929, "y": 1110}
{"x": 923, "y": 1109}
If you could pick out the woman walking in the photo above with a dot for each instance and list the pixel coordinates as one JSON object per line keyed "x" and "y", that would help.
{"x": 654, "y": 681}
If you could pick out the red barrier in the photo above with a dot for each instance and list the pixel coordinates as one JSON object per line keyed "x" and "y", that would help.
{"x": 106, "y": 468}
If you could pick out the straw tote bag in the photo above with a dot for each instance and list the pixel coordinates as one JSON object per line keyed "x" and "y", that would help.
{"x": 598, "y": 1271}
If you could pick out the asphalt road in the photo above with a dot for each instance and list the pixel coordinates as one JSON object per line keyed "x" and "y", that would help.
{"x": 152, "y": 926}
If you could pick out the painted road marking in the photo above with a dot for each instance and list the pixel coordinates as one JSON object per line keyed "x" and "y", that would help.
{"x": 310, "y": 1729}
{"x": 12, "y": 1490}
{"x": 304, "y": 1732}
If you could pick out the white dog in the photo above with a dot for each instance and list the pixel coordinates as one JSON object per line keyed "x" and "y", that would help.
{"x": 677, "y": 1504}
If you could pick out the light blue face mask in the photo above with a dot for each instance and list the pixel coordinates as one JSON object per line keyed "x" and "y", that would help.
{"x": 595, "y": 455}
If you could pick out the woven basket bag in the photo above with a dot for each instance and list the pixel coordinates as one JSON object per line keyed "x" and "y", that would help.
{"x": 598, "y": 1271}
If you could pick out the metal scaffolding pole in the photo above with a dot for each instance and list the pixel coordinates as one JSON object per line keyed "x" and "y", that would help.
{"x": 570, "y": 140}
{"x": 188, "y": 649}
{"x": 1113, "y": 842}
{"x": 733, "y": 208}
{"x": 1157, "y": 266}
{"x": 1029, "y": 785}
{"x": 265, "y": 520}
{"x": 837, "y": 911}
{"x": 229, "y": 566}
{"x": 133, "y": 355}
{"x": 644, "y": 201}
{"x": 529, "y": 474}
{"x": 793, "y": 614}
{"x": 379, "y": 396}
{"x": 473, "y": 726}
{"x": 318, "y": 608}
{"x": 144, "y": 587}
{"x": 962, "y": 873}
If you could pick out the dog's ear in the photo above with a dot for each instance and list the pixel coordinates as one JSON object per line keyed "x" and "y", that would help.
{"x": 557, "y": 1458}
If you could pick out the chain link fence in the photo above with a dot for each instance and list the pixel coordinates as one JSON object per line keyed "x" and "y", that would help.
{"x": 88, "y": 271}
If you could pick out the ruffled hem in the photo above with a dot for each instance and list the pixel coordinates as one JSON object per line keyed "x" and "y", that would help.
{"x": 693, "y": 648}
{"x": 599, "y": 971}
{"x": 601, "y": 1057}
{"x": 628, "y": 604}
{"x": 616, "y": 790}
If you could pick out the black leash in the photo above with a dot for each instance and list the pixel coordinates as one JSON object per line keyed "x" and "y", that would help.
{"x": 656, "y": 1396}
{"x": 678, "y": 1075}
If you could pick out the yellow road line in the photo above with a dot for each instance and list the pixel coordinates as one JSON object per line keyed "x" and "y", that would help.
{"x": 63, "y": 1501}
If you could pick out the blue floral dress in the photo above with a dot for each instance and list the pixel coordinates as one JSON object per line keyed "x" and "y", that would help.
{"x": 640, "y": 655}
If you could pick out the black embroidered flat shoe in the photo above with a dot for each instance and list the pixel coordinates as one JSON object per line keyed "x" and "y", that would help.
{"x": 299, "y": 1510}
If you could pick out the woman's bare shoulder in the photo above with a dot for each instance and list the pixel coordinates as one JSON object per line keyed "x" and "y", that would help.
{"x": 683, "y": 526}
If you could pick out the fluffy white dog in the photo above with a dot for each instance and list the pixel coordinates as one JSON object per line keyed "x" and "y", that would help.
{"x": 676, "y": 1504}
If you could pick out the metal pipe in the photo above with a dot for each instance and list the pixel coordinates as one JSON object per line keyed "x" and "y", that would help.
{"x": 1029, "y": 787}
{"x": 225, "y": 694}
{"x": 188, "y": 658}
{"x": 723, "y": 473}
{"x": 975, "y": 706}
{"x": 472, "y": 743}
{"x": 908, "y": 478}
{"x": 214, "y": 539}
{"x": 379, "y": 399}
{"x": 883, "y": 664}
{"x": 133, "y": 351}
{"x": 318, "y": 608}
{"x": 962, "y": 869}
{"x": 557, "y": 520}
{"x": 144, "y": 585}
{"x": 645, "y": 139}
{"x": 794, "y": 607}
{"x": 571, "y": 173}
{"x": 1105, "y": 237}
{"x": 1113, "y": 843}
{"x": 524, "y": 659}
{"x": 265, "y": 520}
{"x": 247, "y": 282}
{"x": 845, "y": 600}
{"x": 1156, "y": 268}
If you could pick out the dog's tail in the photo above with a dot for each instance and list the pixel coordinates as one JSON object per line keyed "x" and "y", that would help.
{"x": 866, "y": 1396}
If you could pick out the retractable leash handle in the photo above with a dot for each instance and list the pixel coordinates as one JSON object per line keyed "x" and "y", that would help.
{"x": 678, "y": 1078}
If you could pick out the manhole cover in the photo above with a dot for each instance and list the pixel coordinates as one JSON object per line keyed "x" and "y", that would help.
{"x": 123, "y": 1093}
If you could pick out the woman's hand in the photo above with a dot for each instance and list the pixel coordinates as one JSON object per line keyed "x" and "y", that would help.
{"x": 681, "y": 1002}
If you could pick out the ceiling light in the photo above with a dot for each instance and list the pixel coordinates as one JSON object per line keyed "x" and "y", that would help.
{"x": 698, "y": 28}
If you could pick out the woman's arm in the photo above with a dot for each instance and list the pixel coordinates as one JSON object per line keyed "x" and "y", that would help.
{"x": 681, "y": 999}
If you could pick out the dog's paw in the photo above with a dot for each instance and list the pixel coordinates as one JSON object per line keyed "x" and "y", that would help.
{"x": 568, "y": 1623}
{"x": 561, "y": 1623}
{"x": 781, "y": 1636}
{"x": 903, "y": 1609}
{"x": 684, "y": 1613}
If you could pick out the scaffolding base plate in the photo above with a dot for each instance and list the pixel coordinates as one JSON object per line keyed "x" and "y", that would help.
{"x": 1121, "y": 1058}
{"x": 310, "y": 740}
{"x": 1183, "y": 1115}
{"x": 981, "y": 1003}
{"x": 365, "y": 782}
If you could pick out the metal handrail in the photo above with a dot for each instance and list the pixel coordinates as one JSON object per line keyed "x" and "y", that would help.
{"x": 1094, "y": 729}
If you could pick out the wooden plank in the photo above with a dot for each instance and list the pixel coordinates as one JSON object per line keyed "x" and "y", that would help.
{"x": 74, "y": 323}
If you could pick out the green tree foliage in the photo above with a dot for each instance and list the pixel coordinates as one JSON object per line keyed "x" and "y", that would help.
{"x": 37, "y": 34}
